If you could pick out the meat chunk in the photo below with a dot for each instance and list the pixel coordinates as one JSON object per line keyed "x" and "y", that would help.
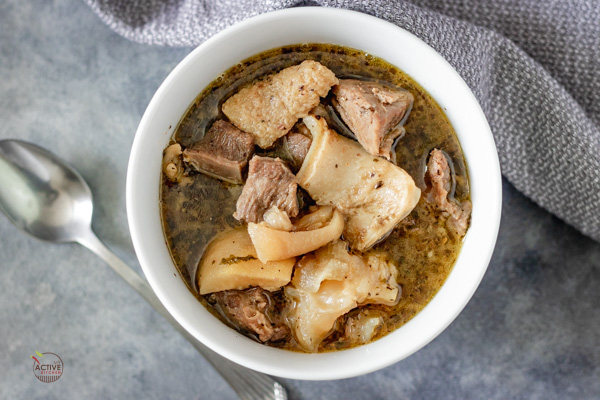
{"x": 269, "y": 108}
{"x": 251, "y": 310}
{"x": 372, "y": 111}
{"x": 223, "y": 152}
{"x": 270, "y": 183}
{"x": 297, "y": 146}
{"x": 439, "y": 178}
{"x": 373, "y": 194}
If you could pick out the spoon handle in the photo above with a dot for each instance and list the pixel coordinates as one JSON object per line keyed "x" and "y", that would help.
{"x": 248, "y": 384}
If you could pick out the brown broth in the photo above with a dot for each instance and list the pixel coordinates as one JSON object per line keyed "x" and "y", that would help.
{"x": 200, "y": 207}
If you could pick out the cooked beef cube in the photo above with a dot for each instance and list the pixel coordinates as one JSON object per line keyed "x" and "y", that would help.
{"x": 372, "y": 111}
{"x": 270, "y": 183}
{"x": 223, "y": 152}
{"x": 269, "y": 108}
{"x": 439, "y": 178}
{"x": 297, "y": 145}
{"x": 249, "y": 310}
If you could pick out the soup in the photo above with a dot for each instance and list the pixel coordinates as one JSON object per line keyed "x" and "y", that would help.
{"x": 324, "y": 225}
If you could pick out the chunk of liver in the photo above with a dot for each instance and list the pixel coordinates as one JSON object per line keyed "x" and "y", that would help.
{"x": 372, "y": 111}
{"x": 269, "y": 108}
{"x": 249, "y": 310}
{"x": 439, "y": 184}
{"x": 270, "y": 183}
{"x": 372, "y": 193}
{"x": 223, "y": 152}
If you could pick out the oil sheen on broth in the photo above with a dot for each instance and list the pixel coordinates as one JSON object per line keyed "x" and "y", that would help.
{"x": 198, "y": 208}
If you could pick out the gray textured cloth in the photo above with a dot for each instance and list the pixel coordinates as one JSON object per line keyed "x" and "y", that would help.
{"x": 533, "y": 65}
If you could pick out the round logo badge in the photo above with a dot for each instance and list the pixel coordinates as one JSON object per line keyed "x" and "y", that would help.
{"x": 48, "y": 367}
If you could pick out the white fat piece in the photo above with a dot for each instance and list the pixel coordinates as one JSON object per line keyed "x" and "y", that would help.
{"x": 372, "y": 193}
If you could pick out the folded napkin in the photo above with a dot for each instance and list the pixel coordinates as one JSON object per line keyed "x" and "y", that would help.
{"x": 533, "y": 65}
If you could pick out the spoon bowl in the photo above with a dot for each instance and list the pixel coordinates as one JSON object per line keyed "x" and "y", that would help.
{"x": 48, "y": 199}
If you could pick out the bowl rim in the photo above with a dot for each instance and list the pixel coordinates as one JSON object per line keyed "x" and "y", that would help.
{"x": 322, "y": 366}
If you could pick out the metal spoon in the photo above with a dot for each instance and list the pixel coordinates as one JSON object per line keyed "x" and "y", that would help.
{"x": 45, "y": 197}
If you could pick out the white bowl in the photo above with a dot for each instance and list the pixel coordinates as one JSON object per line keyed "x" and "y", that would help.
{"x": 308, "y": 25}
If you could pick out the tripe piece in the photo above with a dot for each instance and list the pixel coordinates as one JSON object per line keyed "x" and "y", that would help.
{"x": 269, "y": 108}
{"x": 372, "y": 193}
